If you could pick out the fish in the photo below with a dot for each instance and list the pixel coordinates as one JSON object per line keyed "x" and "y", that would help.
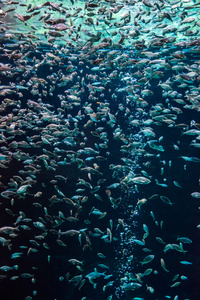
{"x": 131, "y": 286}
{"x": 166, "y": 200}
{"x": 195, "y": 195}
{"x": 147, "y": 259}
{"x": 76, "y": 279}
{"x": 140, "y": 180}
{"x": 99, "y": 107}
{"x": 94, "y": 275}
{"x": 184, "y": 240}
{"x": 71, "y": 232}
{"x": 175, "y": 284}
{"x": 184, "y": 262}
{"x": 163, "y": 265}
{"x": 191, "y": 159}
{"x": 8, "y": 229}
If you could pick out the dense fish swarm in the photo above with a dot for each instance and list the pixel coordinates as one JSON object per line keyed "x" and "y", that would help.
{"x": 99, "y": 156}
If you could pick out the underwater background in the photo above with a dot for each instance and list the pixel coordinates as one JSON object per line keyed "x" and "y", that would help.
{"x": 99, "y": 158}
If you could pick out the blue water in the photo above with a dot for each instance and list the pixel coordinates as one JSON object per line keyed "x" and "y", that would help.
{"x": 122, "y": 255}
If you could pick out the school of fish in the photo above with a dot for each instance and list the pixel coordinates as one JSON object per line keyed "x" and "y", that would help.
{"x": 100, "y": 139}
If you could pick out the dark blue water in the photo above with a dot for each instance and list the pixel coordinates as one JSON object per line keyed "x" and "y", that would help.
{"x": 180, "y": 219}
